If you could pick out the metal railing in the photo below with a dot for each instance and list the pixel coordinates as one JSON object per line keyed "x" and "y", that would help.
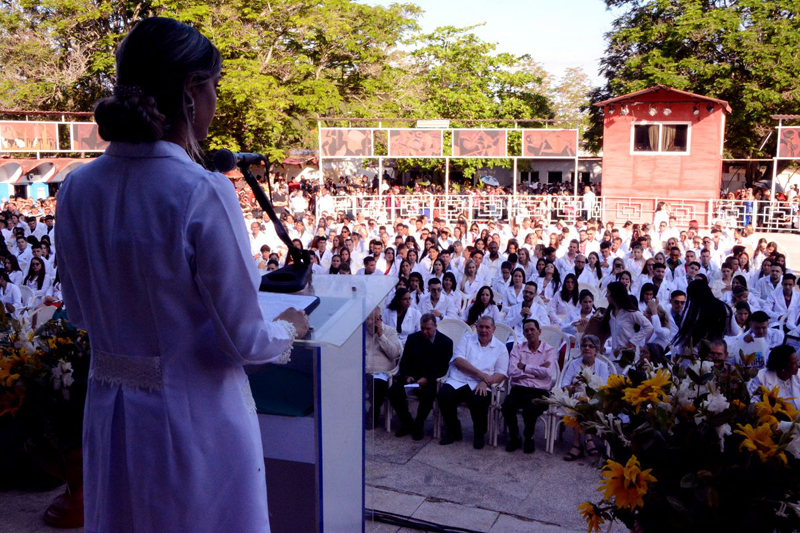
{"x": 767, "y": 216}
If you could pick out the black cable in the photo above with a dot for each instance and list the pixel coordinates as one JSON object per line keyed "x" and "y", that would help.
{"x": 413, "y": 523}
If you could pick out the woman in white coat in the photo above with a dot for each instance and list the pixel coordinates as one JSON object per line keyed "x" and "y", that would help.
{"x": 155, "y": 262}
{"x": 401, "y": 315}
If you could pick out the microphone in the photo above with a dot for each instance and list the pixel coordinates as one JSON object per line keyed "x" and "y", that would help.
{"x": 224, "y": 160}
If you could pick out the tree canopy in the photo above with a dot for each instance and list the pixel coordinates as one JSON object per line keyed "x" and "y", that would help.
{"x": 285, "y": 63}
{"x": 742, "y": 51}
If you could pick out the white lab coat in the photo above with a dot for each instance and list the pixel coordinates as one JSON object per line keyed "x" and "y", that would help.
{"x": 155, "y": 263}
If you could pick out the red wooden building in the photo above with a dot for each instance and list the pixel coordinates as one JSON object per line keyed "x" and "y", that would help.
{"x": 662, "y": 143}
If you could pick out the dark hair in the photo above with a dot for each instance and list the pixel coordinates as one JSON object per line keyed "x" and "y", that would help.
{"x": 573, "y": 294}
{"x": 398, "y": 295}
{"x": 452, "y": 277}
{"x": 584, "y": 293}
{"x": 789, "y": 276}
{"x": 14, "y": 263}
{"x": 619, "y": 295}
{"x": 759, "y": 316}
{"x": 779, "y": 357}
{"x": 647, "y": 287}
{"x": 741, "y": 280}
{"x": 531, "y": 321}
{"x": 478, "y": 307}
{"x": 705, "y": 316}
{"x": 154, "y": 63}
{"x": 40, "y": 277}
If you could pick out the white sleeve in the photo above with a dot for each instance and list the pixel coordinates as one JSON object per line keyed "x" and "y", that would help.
{"x": 218, "y": 252}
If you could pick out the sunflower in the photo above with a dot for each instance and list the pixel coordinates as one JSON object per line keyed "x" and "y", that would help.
{"x": 591, "y": 515}
{"x": 7, "y": 375}
{"x": 651, "y": 390}
{"x": 759, "y": 440}
{"x": 616, "y": 381}
{"x": 571, "y": 421}
{"x": 772, "y": 408}
{"x": 626, "y": 484}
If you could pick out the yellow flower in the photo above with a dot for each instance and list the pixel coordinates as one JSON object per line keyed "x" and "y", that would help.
{"x": 626, "y": 484}
{"x": 651, "y": 390}
{"x": 772, "y": 407}
{"x": 11, "y": 401}
{"x": 571, "y": 421}
{"x": 51, "y": 343}
{"x": 616, "y": 381}
{"x": 759, "y": 440}
{"x": 589, "y": 512}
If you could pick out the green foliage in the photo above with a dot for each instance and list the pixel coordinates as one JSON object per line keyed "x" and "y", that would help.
{"x": 741, "y": 51}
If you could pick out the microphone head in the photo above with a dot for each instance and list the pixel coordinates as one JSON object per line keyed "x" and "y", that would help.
{"x": 224, "y": 160}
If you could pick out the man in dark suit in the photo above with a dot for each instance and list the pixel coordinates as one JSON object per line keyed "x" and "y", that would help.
{"x": 426, "y": 358}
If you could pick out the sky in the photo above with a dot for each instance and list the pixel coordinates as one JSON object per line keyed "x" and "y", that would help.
{"x": 558, "y": 34}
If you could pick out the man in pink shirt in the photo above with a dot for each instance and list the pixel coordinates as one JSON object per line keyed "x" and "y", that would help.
{"x": 532, "y": 368}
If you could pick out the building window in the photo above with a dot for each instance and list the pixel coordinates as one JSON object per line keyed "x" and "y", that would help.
{"x": 673, "y": 138}
{"x": 554, "y": 177}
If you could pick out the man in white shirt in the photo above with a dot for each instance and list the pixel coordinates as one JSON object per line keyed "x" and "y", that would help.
{"x": 35, "y": 228}
{"x": 493, "y": 260}
{"x": 257, "y": 238}
{"x": 369, "y": 268}
{"x": 783, "y": 301}
{"x": 566, "y": 263}
{"x": 24, "y": 254}
{"x": 759, "y": 329}
{"x": 526, "y": 309}
{"x": 435, "y": 304}
{"x": 479, "y": 361}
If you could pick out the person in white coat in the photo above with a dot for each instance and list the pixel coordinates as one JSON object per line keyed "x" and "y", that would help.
{"x": 401, "y": 316}
{"x": 167, "y": 289}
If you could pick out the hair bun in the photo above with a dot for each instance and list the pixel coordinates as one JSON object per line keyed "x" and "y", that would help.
{"x": 132, "y": 119}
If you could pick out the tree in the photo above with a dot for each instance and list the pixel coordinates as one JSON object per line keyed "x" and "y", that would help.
{"x": 570, "y": 98}
{"x": 742, "y": 51}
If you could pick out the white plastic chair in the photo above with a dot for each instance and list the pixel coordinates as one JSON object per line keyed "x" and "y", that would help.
{"x": 42, "y": 315}
{"x": 27, "y": 295}
{"x": 553, "y": 336}
{"x": 453, "y": 328}
{"x": 591, "y": 288}
{"x": 503, "y": 332}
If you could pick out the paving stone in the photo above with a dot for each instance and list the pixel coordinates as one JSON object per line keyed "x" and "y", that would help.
{"x": 455, "y": 515}
{"x": 392, "y": 501}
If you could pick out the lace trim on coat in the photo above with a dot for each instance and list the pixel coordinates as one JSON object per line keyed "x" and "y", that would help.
{"x": 135, "y": 372}
{"x": 249, "y": 401}
{"x": 284, "y": 357}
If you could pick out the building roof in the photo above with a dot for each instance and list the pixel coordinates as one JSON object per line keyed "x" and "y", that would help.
{"x": 656, "y": 88}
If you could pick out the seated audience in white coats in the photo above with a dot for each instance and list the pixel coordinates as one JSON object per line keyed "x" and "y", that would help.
{"x": 38, "y": 280}
{"x": 767, "y": 284}
{"x": 369, "y": 268}
{"x": 527, "y": 308}
{"x": 400, "y": 316}
{"x": 593, "y": 272}
{"x": 721, "y": 285}
{"x": 550, "y": 283}
{"x": 565, "y": 300}
{"x": 653, "y": 311}
{"x": 450, "y": 290}
{"x": 10, "y": 295}
{"x": 484, "y": 305}
{"x": 513, "y": 294}
{"x": 740, "y": 293}
{"x": 576, "y": 321}
{"x": 663, "y": 287}
{"x": 470, "y": 281}
{"x": 436, "y": 303}
{"x": 780, "y": 371}
{"x": 388, "y": 264}
{"x": 15, "y": 274}
{"x": 416, "y": 286}
{"x": 783, "y": 301}
{"x": 617, "y": 268}
{"x": 759, "y": 329}
{"x": 623, "y": 322}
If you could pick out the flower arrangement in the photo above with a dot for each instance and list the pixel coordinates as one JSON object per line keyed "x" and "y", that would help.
{"x": 43, "y": 378}
{"x": 691, "y": 449}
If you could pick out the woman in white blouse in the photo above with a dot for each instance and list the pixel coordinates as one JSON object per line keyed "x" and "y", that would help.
{"x": 484, "y": 306}
{"x": 626, "y": 324}
{"x": 450, "y": 290}
{"x": 470, "y": 282}
{"x": 565, "y": 300}
{"x": 549, "y": 283}
{"x": 513, "y": 294}
{"x": 15, "y": 274}
{"x": 400, "y": 316}
{"x": 38, "y": 280}
{"x": 576, "y": 321}
{"x": 524, "y": 262}
{"x": 10, "y": 294}
{"x": 390, "y": 265}
{"x": 593, "y": 272}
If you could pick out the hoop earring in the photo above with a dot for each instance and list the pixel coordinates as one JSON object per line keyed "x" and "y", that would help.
{"x": 192, "y": 110}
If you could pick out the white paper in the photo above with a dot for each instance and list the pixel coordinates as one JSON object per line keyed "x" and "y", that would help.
{"x": 412, "y": 385}
{"x": 274, "y": 303}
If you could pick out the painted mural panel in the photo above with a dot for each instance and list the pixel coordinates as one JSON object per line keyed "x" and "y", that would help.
{"x": 18, "y": 136}
{"x": 789, "y": 143}
{"x": 479, "y": 143}
{"x": 415, "y": 143}
{"x": 85, "y": 138}
{"x": 345, "y": 142}
{"x": 549, "y": 143}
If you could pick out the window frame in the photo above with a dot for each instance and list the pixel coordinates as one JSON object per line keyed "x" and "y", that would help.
{"x": 661, "y": 124}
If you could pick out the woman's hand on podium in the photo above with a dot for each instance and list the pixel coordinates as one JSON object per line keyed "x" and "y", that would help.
{"x": 299, "y": 319}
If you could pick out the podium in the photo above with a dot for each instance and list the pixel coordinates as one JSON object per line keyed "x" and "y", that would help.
{"x": 311, "y": 412}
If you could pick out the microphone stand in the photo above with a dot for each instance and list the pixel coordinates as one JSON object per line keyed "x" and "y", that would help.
{"x": 294, "y": 276}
